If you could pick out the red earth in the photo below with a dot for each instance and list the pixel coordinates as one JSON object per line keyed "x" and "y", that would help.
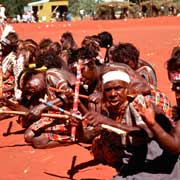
{"x": 154, "y": 37}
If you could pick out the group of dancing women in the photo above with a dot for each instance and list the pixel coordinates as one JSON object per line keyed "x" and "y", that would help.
{"x": 98, "y": 93}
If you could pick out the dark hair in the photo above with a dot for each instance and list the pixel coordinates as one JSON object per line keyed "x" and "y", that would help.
{"x": 48, "y": 59}
{"x": 12, "y": 43}
{"x": 105, "y": 39}
{"x": 82, "y": 53}
{"x": 86, "y": 53}
{"x": 91, "y": 42}
{"x": 13, "y": 38}
{"x": 173, "y": 64}
{"x": 175, "y": 51}
{"x": 30, "y": 44}
{"x": 67, "y": 39}
{"x": 125, "y": 52}
{"x": 55, "y": 47}
{"x": 25, "y": 76}
{"x": 44, "y": 43}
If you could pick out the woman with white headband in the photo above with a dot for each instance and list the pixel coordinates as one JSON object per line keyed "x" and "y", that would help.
{"x": 165, "y": 165}
{"x": 124, "y": 145}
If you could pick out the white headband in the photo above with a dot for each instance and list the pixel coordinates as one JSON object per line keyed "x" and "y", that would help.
{"x": 115, "y": 75}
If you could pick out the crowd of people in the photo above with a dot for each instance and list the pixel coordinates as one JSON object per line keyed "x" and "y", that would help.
{"x": 64, "y": 93}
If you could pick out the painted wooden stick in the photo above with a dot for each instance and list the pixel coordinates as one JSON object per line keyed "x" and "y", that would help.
{"x": 1, "y": 82}
{"x": 113, "y": 129}
{"x": 64, "y": 116}
{"x": 64, "y": 91}
{"x": 60, "y": 109}
{"x": 76, "y": 97}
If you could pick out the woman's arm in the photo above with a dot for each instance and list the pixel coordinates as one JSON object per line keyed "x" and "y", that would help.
{"x": 170, "y": 141}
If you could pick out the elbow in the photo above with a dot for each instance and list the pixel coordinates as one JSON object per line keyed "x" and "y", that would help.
{"x": 176, "y": 150}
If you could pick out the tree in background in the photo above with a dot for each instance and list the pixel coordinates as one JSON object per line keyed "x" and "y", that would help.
{"x": 14, "y": 7}
{"x": 75, "y": 6}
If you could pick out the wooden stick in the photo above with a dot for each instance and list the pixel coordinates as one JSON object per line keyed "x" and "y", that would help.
{"x": 1, "y": 81}
{"x": 113, "y": 129}
{"x": 65, "y": 116}
{"x": 65, "y": 91}
{"x": 76, "y": 96}
{"x": 60, "y": 109}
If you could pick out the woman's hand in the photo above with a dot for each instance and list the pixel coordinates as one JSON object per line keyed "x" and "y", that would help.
{"x": 34, "y": 114}
{"x": 146, "y": 110}
{"x": 95, "y": 101}
{"x": 94, "y": 118}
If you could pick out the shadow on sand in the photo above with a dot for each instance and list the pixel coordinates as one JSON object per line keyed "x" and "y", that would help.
{"x": 75, "y": 169}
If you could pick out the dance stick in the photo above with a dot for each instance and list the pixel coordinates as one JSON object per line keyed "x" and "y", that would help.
{"x": 43, "y": 114}
{"x": 1, "y": 81}
{"x": 113, "y": 129}
{"x": 76, "y": 97}
{"x": 61, "y": 110}
{"x": 65, "y": 91}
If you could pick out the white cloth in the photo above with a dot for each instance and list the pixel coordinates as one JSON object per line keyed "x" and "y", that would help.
{"x": 115, "y": 75}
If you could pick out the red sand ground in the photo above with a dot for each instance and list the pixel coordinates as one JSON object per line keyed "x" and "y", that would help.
{"x": 155, "y": 38}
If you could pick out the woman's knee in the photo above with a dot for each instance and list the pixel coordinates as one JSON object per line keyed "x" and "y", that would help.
{"x": 40, "y": 142}
{"x": 28, "y": 135}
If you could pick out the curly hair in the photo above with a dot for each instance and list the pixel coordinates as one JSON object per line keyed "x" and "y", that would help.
{"x": 105, "y": 39}
{"x": 173, "y": 64}
{"x": 68, "y": 41}
{"x": 124, "y": 53}
{"x": 44, "y": 43}
{"x": 48, "y": 59}
{"x": 82, "y": 53}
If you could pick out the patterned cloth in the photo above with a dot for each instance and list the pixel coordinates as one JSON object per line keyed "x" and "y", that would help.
{"x": 55, "y": 130}
{"x": 147, "y": 71}
{"x": 59, "y": 79}
{"x": 15, "y": 66}
{"x": 161, "y": 101}
{"x": 8, "y": 84}
{"x": 7, "y": 65}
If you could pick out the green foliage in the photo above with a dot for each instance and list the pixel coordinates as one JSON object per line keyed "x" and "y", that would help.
{"x": 74, "y": 7}
{"x": 88, "y": 5}
{"x": 105, "y": 12}
{"x": 14, "y": 7}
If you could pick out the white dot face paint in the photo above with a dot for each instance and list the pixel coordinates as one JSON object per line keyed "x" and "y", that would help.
{"x": 35, "y": 82}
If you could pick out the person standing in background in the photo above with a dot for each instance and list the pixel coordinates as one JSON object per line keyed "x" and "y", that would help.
{"x": 2, "y": 14}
